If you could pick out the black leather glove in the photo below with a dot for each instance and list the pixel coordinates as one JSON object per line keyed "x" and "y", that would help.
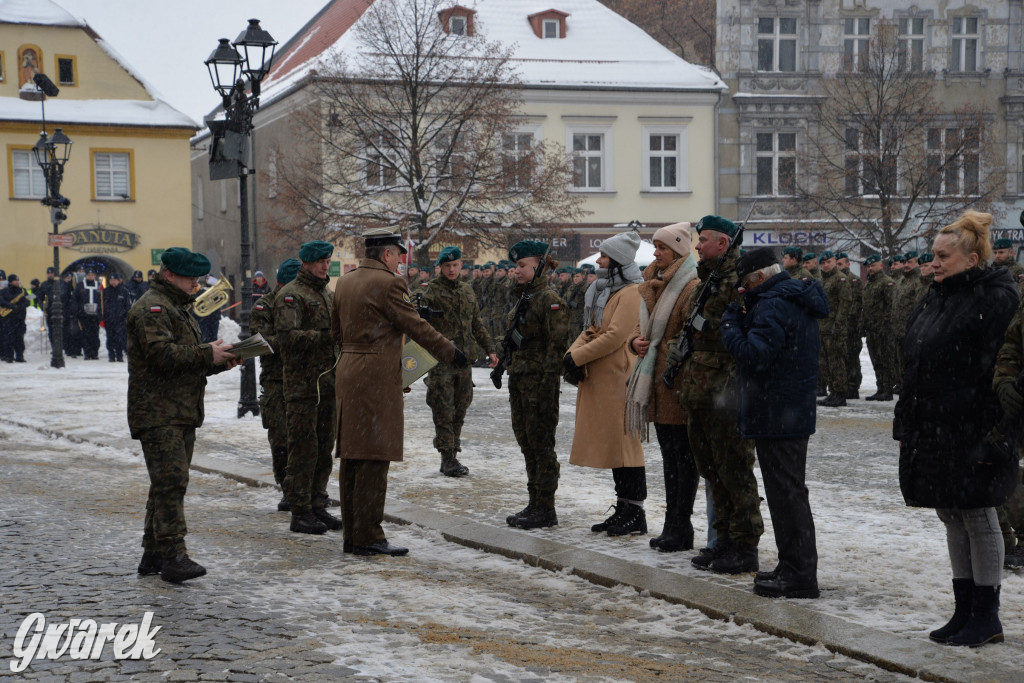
{"x": 572, "y": 373}
{"x": 1010, "y": 399}
{"x": 460, "y": 360}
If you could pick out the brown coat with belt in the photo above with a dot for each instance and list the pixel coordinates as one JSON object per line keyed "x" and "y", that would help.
{"x": 372, "y": 310}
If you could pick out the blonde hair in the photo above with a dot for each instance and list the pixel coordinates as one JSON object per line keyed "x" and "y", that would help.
{"x": 970, "y": 232}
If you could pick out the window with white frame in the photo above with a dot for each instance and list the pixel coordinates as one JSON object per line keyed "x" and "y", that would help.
{"x": 775, "y": 160}
{"x": 379, "y": 171}
{"x": 856, "y": 42}
{"x": 911, "y": 43}
{"x": 589, "y": 153}
{"x": 776, "y": 44}
{"x": 29, "y": 181}
{"x": 457, "y": 25}
{"x": 867, "y": 166}
{"x": 964, "y": 55}
{"x": 953, "y": 161}
{"x": 516, "y": 159}
{"x": 112, "y": 175}
{"x": 665, "y": 155}
{"x": 551, "y": 28}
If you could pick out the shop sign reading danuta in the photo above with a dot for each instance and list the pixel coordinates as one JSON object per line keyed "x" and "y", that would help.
{"x": 102, "y": 239}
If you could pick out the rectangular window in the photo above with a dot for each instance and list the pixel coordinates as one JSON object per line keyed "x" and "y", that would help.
{"x": 911, "y": 55}
{"x": 964, "y": 56}
{"x": 856, "y": 39}
{"x": 552, "y": 28}
{"x": 28, "y": 179}
{"x": 112, "y": 175}
{"x": 665, "y": 156}
{"x": 953, "y": 161}
{"x": 861, "y": 163}
{"x": 776, "y": 164}
{"x": 663, "y": 160}
{"x": 776, "y": 44}
{"x": 588, "y": 161}
{"x": 457, "y": 26}
{"x": 516, "y": 160}
{"x": 66, "y": 70}
{"x": 380, "y": 172}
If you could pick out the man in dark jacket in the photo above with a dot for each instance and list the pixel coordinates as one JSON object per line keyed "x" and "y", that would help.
{"x": 775, "y": 345}
{"x": 13, "y": 304}
{"x": 116, "y": 304}
{"x": 88, "y": 298}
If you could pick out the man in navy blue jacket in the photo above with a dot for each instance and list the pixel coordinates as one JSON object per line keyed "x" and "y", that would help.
{"x": 775, "y": 344}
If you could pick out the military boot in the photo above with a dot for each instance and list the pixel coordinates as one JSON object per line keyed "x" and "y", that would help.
{"x": 737, "y": 560}
{"x": 514, "y": 517}
{"x": 450, "y": 465}
{"x": 538, "y": 518}
{"x": 673, "y": 539}
{"x": 181, "y": 568}
{"x": 833, "y": 400}
{"x": 633, "y": 522}
{"x": 706, "y": 556}
{"x": 151, "y": 563}
{"x": 282, "y": 505}
{"x": 879, "y": 396}
{"x": 307, "y": 524}
{"x": 330, "y": 521}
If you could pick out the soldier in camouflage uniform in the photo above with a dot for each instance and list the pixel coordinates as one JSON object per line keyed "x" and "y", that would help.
{"x": 708, "y": 393}
{"x": 908, "y": 291}
{"x": 534, "y": 376}
{"x": 167, "y": 370}
{"x": 792, "y": 261}
{"x": 450, "y": 389}
{"x": 834, "y": 330}
{"x": 810, "y": 262}
{"x": 272, "y": 410}
{"x": 1009, "y": 366}
{"x": 1002, "y": 255}
{"x": 855, "y": 330}
{"x": 879, "y": 293}
{"x": 302, "y": 320}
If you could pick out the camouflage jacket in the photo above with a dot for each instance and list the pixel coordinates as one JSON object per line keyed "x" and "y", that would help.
{"x": 302, "y": 320}
{"x": 800, "y": 273}
{"x": 709, "y": 374}
{"x": 460, "y": 321}
{"x": 167, "y": 364}
{"x": 840, "y": 303}
{"x": 854, "y": 326}
{"x": 879, "y": 296}
{"x": 1016, "y": 272}
{"x": 544, "y": 324}
{"x": 909, "y": 291}
{"x": 261, "y": 321}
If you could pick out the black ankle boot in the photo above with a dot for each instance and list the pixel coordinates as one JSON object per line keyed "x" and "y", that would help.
{"x": 962, "y": 590}
{"x": 983, "y": 625}
{"x": 632, "y": 522}
{"x": 619, "y": 507}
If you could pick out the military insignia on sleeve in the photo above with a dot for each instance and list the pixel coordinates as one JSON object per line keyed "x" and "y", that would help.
{"x": 890, "y": 284}
{"x": 289, "y": 299}
{"x": 155, "y": 309}
{"x": 408, "y": 299}
{"x": 258, "y": 307}
{"x": 555, "y": 307}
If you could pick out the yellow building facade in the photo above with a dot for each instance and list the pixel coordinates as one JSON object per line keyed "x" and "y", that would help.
{"x": 128, "y": 174}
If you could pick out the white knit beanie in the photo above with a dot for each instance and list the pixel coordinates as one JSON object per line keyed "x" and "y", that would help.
{"x": 622, "y": 248}
{"x": 676, "y": 237}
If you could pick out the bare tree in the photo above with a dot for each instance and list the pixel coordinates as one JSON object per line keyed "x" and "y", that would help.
{"x": 687, "y": 27}
{"x": 416, "y": 127}
{"x": 886, "y": 162}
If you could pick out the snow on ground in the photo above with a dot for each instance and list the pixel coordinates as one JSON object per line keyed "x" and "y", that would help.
{"x": 881, "y": 564}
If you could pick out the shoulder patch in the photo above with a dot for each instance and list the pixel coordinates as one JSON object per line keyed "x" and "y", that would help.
{"x": 555, "y": 307}
{"x": 289, "y": 299}
{"x": 155, "y": 309}
{"x": 890, "y": 284}
{"x": 408, "y": 299}
{"x": 258, "y": 307}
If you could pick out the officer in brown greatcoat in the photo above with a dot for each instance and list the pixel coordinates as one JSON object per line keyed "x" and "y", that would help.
{"x": 372, "y": 310}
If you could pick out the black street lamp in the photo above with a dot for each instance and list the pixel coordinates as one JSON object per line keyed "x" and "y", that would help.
{"x": 51, "y": 154}
{"x": 229, "y": 155}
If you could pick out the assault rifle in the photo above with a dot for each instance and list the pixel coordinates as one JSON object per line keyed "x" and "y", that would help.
{"x": 696, "y": 320}
{"x": 513, "y": 338}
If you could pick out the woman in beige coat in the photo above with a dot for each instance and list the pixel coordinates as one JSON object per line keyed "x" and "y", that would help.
{"x": 599, "y": 363}
{"x": 668, "y": 284}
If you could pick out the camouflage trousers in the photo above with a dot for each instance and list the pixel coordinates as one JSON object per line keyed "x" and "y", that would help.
{"x": 449, "y": 393}
{"x": 897, "y": 354}
{"x": 726, "y": 461}
{"x": 854, "y": 377}
{"x": 833, "y": 353}
{"x": 534, "y": 401}
{"x": 275, "y": 421}
{"x": 310, "y": 442}
{"x": 364, "y": 488}
{"x": 880, "y": 348}
{"x": 168, "y": 454}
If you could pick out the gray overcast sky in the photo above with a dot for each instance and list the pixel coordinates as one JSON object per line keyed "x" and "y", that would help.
{"x": 167, "y": 42}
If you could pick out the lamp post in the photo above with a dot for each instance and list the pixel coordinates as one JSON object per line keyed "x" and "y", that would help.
{"x": 229, "y": 151}
{"x": 51, "y": 154}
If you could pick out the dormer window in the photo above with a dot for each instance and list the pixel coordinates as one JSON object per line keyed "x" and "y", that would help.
{"x": 457, "y": 20}
{"x": 549, "y": 24}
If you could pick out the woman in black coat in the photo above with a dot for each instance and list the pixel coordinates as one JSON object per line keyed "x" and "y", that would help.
{"x": 946, "y": 409}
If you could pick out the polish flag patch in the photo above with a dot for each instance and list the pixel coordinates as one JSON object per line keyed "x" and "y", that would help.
{"x": 555, "y": 307}
{"x": 289, "y": 299}
{"x": 258, "y": 307}
{"x": 155, "y": 309}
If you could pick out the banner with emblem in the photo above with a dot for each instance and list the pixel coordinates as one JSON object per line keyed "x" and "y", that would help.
{"x": 416, "y": 362}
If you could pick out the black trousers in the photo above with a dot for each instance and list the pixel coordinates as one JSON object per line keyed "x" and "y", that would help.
{"x": 630, "y": 482}
{"x": 783, "y": 469}
{"x": 681, "y": 478}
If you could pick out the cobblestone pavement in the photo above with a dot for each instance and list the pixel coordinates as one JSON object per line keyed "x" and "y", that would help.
{"x": 280, "y": 606}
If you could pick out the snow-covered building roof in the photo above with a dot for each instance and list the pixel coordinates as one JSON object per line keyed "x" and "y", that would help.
{"x": 600, "y": 49}
{"x": 67, "y": 108}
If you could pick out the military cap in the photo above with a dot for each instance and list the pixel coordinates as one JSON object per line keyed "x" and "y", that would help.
{"x": 826, "y": 255}
{"x": 899, "y": 257}
{"x": 1002, "y": 243}
{"x": 910, "y": 254}
{"x": 315, "y": 250}
{"x": 91, "y": 271}
{"x": 755, "y": 259}
{"x": 926, "y": 257}
{"x": 137, "y": 273}
{"x": 718, "y": 224}
{"x": 35, "y": 282}
{"x": 448, "y": 254}
{"x": 794, "y": 251}
{"x": 872, "y": 258}
{"x": 588, "y": 268}
{"x": 13, "y": 278}
{"x": 185, "y": 263}
{"x": 526, "y": 248}
{"x": 116, "y": 276}
{"x": 842, "y": 254}
{"x": 383, "y": 237}
{"x": 51, "y": 271}
{"x": 501, "y": 266}
{"x": 287, "y": 271}
{"x": 809, "y": 255}
{"x": 152, "y": 272}
{"x": 489, "y": 264}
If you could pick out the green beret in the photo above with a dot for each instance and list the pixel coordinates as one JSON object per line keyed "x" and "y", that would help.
{"x": 872, "y": 258}
{"x": 1002, "y": 243}
{"x": 794, "y": 251}
{"x": 910, "y": 254}
{"x": 448, "y": 254}
{"x": 185, "y": 263}
{"x": 287, "y": 271}
{"x": 926, "y": 258}
{"x": 588, "y": 268}
{"x": 489, "y": 264}
{"x": 842, "y": 254}
{"x": 826, "y": 255}
{"x": 315, "y": 250}
{"x": 718, "y": 224}
{"x": 899, "y": 257}
{"x": 809, "y": 255}
{"x": 382, "y": 237}
{"x": 521, "y": 250}
{"x": 502, "y": 265}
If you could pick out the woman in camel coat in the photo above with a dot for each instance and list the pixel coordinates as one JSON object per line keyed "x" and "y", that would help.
{"x": 600, "y": 364}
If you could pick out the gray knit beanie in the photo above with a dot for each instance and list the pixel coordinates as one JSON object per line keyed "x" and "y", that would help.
{"x": 622, "y": 248}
